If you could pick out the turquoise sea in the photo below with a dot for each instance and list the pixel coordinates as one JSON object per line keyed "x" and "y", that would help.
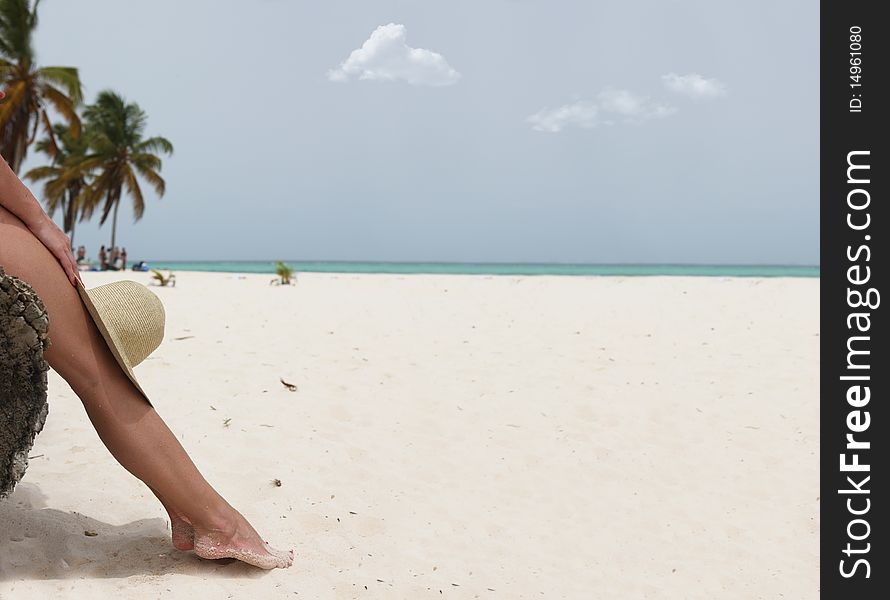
{"x": 493, "y": 268}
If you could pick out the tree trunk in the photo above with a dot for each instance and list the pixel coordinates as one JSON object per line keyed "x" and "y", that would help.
{"x": 14, "y": 135}
{"x": 117, "y": 202}
{"x": 23, "y": 408}
{"x": 21, "y": 149}
{"x": 73, "y": 192}
{"x": 70, "y": 216}
{"x": 16, "y": 162}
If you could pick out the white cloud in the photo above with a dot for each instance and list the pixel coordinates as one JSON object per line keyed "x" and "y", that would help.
{"x": 581, "y": 114}
{"x": 632, "y": 106}
{"x": 610, "y": 104}
{"x": 385, "y": 56}
{"x": 694, "y": 85}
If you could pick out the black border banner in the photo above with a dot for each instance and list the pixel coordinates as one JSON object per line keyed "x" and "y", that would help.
{"x": 855, "y": 372}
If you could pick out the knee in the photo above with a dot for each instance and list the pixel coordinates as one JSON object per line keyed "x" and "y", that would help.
{"x": 83, "y": 379}
{"x": 85, "y": 385}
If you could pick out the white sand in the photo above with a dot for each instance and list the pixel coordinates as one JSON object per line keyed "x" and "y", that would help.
{"x": 456, "y": 437}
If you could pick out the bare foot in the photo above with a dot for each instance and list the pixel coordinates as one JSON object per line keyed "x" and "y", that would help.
{"x": 237, "y": 539}
{"x": 183, "y": 533}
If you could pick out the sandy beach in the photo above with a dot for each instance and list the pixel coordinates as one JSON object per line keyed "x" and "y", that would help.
{"x": 455, "y": 437}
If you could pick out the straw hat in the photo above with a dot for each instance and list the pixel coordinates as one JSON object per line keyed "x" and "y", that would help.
{"x": 130, "y": 318}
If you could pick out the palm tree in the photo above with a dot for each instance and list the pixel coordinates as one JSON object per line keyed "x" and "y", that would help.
{"x": 30, "y": 89}
{"x": 65, "y": 177}
{"x": 117, "y": 153}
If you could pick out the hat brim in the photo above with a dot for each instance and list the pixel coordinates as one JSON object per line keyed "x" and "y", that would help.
{"x": 110, "y": 339}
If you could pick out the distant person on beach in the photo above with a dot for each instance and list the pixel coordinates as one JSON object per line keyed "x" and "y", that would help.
{"x": 114, "y": 262}
{"x": 102, "y": 259}
{"x": 123, "y": 259}
{"x": 34, "y": 251}
{"x": 83, "y": 263}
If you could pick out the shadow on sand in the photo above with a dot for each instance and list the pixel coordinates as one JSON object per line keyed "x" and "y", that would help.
{"x": 44, "y": 543}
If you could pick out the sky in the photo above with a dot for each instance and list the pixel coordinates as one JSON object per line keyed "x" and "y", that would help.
{"x": 566, "y": 131}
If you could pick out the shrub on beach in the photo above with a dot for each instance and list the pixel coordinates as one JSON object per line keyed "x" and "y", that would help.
{"x": 285, "y": 274}
{"x": 163, "y": 281}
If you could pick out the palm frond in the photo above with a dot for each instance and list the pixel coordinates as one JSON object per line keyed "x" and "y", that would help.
{"x": 110, "y": 201}
{"x": 13, "y": 103}
{"x": 66, "y": 77}
{"x": 136, "y": 192}
{"x": 17, "y": 23}
{"x": 155, "y": 144}
{"x": 64, "y": 105}
{"x": 146, "y": 160}
{"x": 38, "y": 173}
{"x": 87, "y": 201}
{"x": 152, "y": 177}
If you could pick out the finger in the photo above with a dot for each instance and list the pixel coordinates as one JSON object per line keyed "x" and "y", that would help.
{"x": 73, "y": 265}
{"x": 65, "y": 261}
{"x": 74, "y": 272}
{"x": 62, "y": 257}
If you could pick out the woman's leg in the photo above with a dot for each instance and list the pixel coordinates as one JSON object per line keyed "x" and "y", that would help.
{"x": 127, "y": 425}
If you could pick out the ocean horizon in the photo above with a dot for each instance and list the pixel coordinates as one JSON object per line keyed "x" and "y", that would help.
{"x": 448, "y": 268}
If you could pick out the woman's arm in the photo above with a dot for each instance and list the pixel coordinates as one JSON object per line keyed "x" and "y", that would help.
{"x": 18, "y": 199}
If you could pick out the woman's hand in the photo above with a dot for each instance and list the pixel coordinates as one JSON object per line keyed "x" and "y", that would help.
{"x": 18, "y": 199}
{"x": 59, "y": 244}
